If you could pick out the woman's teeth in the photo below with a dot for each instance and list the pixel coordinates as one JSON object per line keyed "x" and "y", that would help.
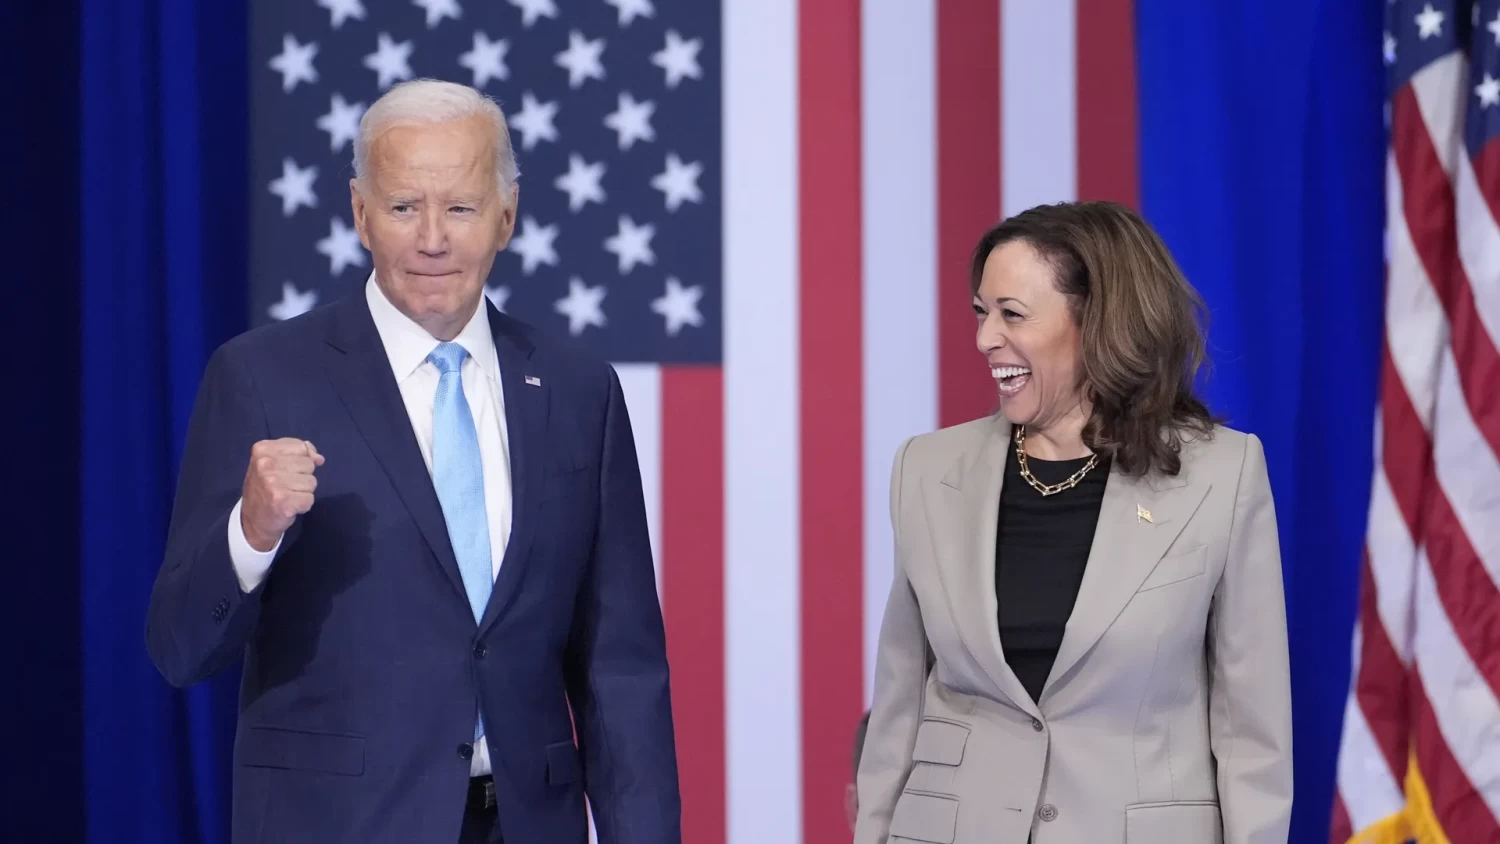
{"x": 1010, "y": 379}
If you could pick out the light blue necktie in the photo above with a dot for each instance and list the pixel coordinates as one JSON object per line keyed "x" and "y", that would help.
{"x": 459, "y": 480}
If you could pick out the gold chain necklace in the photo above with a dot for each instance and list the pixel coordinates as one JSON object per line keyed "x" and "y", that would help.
{"x": 1048, "y": 489}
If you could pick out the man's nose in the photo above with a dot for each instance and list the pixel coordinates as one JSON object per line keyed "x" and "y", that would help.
{"x": 432, "y": 237}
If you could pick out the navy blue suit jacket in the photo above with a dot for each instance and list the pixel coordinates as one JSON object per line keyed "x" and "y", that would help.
{"x": 363, "y": 664}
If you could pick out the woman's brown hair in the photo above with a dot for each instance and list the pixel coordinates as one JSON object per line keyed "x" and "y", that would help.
{"x": 1139, "y": 322}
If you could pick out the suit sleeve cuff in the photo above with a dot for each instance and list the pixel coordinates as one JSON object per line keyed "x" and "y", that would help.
{"x": 250, "y": 565}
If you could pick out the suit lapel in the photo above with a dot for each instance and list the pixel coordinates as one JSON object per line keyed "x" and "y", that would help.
{"x": 964, "y": 522}
{"x": 526, "y": 404}
{"x": 361, "y": 375}
{"x": 1126, "y": 547}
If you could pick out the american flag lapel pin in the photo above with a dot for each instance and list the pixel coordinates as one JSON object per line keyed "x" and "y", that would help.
{"x": 533, "y": 381}
{"x": 1142, "y": 514}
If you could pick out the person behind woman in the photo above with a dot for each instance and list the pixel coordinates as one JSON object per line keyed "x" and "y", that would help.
{"x": 1085, "y": 638}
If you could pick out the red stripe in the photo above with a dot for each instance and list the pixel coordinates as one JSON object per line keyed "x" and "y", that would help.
{"x": 832, "y": 455}
{"x": 1341, "y": 830}
{"x": 1428, "y": 207}
{"x": 1380, "y": 687}
{"x": 1467, "y": 592}
{"x": 968, "y": 192}
{"x": 1405, "y": 447}
{"x": 692, "y": 539}
{"x": 1460, "y": 810}
{"x": 1108, "y": 165}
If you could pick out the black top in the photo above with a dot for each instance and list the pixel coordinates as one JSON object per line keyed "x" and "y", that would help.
{"x": 1041, "y": 549}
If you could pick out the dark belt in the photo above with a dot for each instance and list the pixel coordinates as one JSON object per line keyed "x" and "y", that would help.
{"x": 481, "y": 793}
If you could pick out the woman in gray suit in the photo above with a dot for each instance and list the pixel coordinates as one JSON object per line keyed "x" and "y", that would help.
{"x": 1085, "y": 639}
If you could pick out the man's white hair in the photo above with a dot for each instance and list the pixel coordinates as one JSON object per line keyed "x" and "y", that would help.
{"x": 428, "y": 101}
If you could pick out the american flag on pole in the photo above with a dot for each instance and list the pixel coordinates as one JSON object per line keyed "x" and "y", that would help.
{"x": 1420, "y": 752}
{"x": 761, "y": 212}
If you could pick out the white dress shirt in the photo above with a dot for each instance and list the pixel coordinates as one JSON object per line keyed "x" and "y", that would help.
{"x": 407, "y": 345}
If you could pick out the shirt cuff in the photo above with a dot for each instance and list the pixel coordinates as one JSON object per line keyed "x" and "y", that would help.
{"x": 250, "y": 565}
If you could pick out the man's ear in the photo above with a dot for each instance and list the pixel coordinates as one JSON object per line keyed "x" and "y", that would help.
{"x": 507, "y": 221}
{"x": 358, "y": 206}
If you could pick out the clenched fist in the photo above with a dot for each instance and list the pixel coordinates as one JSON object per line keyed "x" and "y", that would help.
{"x": 279, "y": 487}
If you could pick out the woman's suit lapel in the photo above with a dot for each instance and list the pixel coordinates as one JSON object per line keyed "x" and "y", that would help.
{"x": 1138, "y": 520}
{"x": 964, "y": 515}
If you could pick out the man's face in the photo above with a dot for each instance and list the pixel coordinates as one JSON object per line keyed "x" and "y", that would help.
{"x": 432, "y": 214}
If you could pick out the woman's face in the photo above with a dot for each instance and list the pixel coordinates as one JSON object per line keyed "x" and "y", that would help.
{"x": 1027, "y": 333}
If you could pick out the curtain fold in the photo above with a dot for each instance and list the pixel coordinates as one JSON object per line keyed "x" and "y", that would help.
{"x": 163, "y": 282}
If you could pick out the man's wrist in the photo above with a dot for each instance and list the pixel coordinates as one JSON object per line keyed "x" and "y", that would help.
{"x": 255, "y": 538}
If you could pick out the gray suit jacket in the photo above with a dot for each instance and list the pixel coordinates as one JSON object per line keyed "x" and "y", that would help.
{"x": 1167, "y": 716}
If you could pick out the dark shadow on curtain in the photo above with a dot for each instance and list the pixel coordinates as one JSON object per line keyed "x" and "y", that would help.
{"x": 164, "y": 127}
{"x": 41, "y": 738}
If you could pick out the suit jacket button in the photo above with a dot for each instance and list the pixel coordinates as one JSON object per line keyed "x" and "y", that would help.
{"x": 480, "y": 650}
{"x": 1048, "y": 812}
{"x": 1036, "y": 725}
{"x": 466, "y": 751}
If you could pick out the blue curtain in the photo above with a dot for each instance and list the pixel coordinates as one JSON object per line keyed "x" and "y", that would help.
{"x": 1262, "y": 165}
{"x": 163, "y": 281}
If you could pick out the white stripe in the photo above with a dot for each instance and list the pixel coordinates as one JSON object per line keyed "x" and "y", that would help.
{"x": 1416, "y": 329}
{"x": 641, "y": 383}
{"x": 1365, "y": 781}
{"x": 1038, "y": 103}
{"x": 1392, "y": 563}
{"x": 899, "y": 298}
{"x": 1478, "y": 247}
{"x": 1467, "y": 469}
{"x": 1440, "y": 92}
{"x": 762, "y": 629}
{"x": 1468, "y": 715}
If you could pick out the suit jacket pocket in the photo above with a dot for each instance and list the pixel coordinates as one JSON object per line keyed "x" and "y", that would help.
{"x": 1186, "y": 822}
{"x": 920, "y": 816}
{"x": 303, "y": 750}
{"x": 1176, "y": 568}
{"x": 566, "y": 479}
{"x": 936, "y": 755}
{"x": 562, "y": 763}
{"x": 940, "y": 742}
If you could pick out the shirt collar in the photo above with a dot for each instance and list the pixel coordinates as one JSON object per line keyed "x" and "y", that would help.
{"x": 407, "y": 344}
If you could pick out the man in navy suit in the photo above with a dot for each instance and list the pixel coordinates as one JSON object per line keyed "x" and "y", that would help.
{"x": 421, "y": 524}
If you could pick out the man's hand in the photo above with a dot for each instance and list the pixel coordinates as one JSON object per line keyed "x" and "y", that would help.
{"x": 279, "y": 487}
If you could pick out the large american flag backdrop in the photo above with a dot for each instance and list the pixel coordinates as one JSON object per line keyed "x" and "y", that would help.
{"x": 1420, "y": 752}
{"x": 761, "y": 212}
